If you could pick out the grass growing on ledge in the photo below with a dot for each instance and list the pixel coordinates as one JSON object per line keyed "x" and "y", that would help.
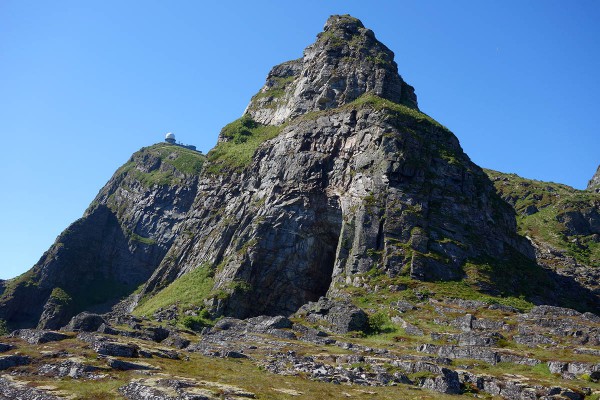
{"x": 174, "y": 160}
{"x": 187, "y": 291}
{"x": 378, "y": 103}
{"x": 245, "y": 136}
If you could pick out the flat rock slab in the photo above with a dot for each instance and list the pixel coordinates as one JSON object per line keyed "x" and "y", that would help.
{"x": 74, "y": 368}
{"x": 128, "y": 365}
{"x": 116, "y": 349}
{"x": 39, "y": 336}
{"x": 13, "y": 361}
{"x": 5, "y": 347}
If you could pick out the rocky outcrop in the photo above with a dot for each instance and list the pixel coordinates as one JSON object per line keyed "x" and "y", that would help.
{"x": 594, "y": 183}
{"x": 10, "y": 389}
{"x": 337, "y": 316}
{"x": 114, "y": 247}
{"x": 39, "y": 336}
{"x": 85, "y": 322}
{"x": 13, "y": 360}
{"x": 345, "y": 62}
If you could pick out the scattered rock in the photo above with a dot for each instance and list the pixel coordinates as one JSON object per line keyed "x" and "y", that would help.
{"x": 12, "y": 389}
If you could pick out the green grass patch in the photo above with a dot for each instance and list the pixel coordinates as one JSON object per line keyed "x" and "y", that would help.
{"x": 60, "y": 296}
{"x": 543, "y": 209}
{"x": 174, "y": 161}
{"x": 187, "y": 291}
{"x": 245, "y": 136}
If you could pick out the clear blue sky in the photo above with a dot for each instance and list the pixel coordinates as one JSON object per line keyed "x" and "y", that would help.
{"x": 84, "y": 84}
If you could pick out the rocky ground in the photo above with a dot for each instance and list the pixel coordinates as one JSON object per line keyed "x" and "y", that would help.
{"x": 432, "y": 349}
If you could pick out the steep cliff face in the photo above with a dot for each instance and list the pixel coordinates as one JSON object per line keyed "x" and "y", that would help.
{"x": 349, "y": 179}
{"x": 114, "y": 247}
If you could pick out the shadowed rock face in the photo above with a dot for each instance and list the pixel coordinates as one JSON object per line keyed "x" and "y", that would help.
{"x": 111, "y": 250}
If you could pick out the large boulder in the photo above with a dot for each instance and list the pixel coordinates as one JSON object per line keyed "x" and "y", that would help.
{"x": 85, "y": 322}
{"x": 336, "y": 316}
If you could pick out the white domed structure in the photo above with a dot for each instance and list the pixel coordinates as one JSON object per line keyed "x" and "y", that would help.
{"x": 170, "y": 138}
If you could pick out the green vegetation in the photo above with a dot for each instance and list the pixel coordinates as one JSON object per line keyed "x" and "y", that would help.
{"x": 3, "y": 328}
{"x": 399, "y": 110}
{"x": 188, "y": 291}
{"x": 379, "y": 323}
{"x": 276, "y": 90}
{"x": 174, "y": 164}
{"x": 198, "y": 322}
{"x": 245, "y": 136}
{"x": 60, "y": 296}
{"x": 552, "y": 213}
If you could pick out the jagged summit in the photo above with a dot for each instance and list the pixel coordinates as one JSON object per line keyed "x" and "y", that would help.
{"x": 344, "y": 63}
{"x": 594, "y": 183}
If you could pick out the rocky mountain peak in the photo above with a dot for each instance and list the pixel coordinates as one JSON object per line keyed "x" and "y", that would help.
{"x": 594, "y": 183}
{"x": 345, "y": 25}
{"x": 344, "y": 63}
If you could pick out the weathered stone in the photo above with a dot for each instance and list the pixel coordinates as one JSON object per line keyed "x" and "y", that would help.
{"x": 477, "y": 339}
{"x": 594, "y": 183}
{"x": 128, "y": 365}
{"x": 12, "y": 389}
{"x": 176, "y": 341}
{"x": 465, "y": 323}
{"x": 339, "y": 316}
{"x": 13, "y": 360}
{"x": 107, "y": 348}
{"x": 38, "y": 336}
{"x": 73, "y": 368}
{"x": 5, "y": 347}
{"x": 86, "y": 322}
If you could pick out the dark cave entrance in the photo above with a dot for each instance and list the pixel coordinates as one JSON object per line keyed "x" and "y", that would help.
{"x": 327, "y": 226}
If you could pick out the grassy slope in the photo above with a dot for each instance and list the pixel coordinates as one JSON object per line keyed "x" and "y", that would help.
{"x": 177, "y": 161}
{"x": 541, "y": 206}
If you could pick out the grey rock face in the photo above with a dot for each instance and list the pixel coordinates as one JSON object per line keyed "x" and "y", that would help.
{"x": 128, "y": 365}
{"x": 345, "y": 62}
{"x": 107, "y": 348}
{"x": 346, "y": 187}
{"x": 38, "y": 336}
{"x": 338, "y": 316}
{"x": 5, "y": 347}
{"x": 73, "y": 368}
{"x": 594, "y": 183}
{"x": 10, "y": 389}
{"x": 85, "y": 322}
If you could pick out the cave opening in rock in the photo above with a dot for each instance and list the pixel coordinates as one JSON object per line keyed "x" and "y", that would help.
{"x": 328, "y": 228}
